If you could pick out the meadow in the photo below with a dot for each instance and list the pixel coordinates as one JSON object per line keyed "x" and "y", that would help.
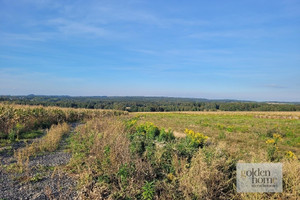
{"x": 169, "y": 155}
{"x": 245, "y": 132}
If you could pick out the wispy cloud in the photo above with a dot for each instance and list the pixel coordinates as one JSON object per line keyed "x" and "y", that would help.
{"x": 69, "y": 27}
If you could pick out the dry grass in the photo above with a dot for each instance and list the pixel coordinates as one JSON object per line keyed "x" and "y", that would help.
{"x": 214, "y": 178}
{"x": 265, "y": 113}
{"x": 49, "y": 143}
{"x": 209, "y": 176}
{"x": 193, "y": 180}
{"x": 104, "y": 152}
{"x": 20, "y": 118}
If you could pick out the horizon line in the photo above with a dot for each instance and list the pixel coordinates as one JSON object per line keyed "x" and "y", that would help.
{"x": 158, "y": 96}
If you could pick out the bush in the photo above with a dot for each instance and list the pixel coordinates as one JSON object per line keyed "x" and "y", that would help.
{"x": 148, "y": 129}
{"x": 166, "y": 135}
{"x": 195, "y": 139}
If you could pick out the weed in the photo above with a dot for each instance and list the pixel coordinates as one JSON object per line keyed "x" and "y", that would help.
{"x": 124, "y": 173}
{"x": 273, "y": 148}
{"x": 290, "y": 155}
{"x": 12, "y": 136}
{"x": 166, "y": 135}
{"x": 195, "y": 139}
{"x": 30, "y": 135}
{"x": 36, "y": 178}
{"x": 222, "y": 135}
{"x": 148, "y": 190}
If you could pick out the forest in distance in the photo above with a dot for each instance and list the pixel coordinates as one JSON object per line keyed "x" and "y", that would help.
{"x": 150, "y": 104}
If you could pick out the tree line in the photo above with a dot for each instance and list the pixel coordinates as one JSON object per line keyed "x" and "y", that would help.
{"x": 149, "y": 104}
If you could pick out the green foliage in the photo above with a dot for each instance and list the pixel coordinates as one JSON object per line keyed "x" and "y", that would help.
{"x": 106, "y": 161}
{"x": 166, "y": 135}
{"x": 163, "y": 161}
{"x": 195, "y": 139}
{"x": 272, "y": 153}
{"x": 3, "y": 135}
{"x": 138, "y": 143}
{"x": 130, "y": 123}
{"x": 222, "y": 135}
{"x": 148, "y": 190}
{"x": 272, "y": 149}
{"x": 12, "y": 136}
{"x": 31, "y": 134}
{"x": 148, "y": 129}
{"x": 80, "y": 144}
{"x": 184, "y": 148}
{"x": 150, "y": 152}
{"x": 148, "y": 104}
{"x": 36, "y": 178}
{"x": 104, "y": 178}
{"x": 209, "y": 154}
{"x": 124, "y": 173}
{"x": 144, "y": 137}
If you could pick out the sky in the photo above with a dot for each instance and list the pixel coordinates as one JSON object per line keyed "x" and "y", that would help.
{"x": 242, "y": 49}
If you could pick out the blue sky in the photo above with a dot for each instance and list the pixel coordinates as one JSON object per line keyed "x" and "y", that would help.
{"x": 209, "y": 49}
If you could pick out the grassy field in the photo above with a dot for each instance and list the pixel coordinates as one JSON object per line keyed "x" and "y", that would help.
{"x": 244, "y": 132}
{"x": 178, "y": 155}
{"x": 183, "y": 155}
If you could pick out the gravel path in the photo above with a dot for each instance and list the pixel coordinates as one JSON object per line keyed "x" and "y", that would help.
{"x": 43, "y": 180}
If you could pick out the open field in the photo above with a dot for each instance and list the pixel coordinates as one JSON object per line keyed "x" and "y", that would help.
{"x": 243, "y": 131}
{"x": 102, "y": 154}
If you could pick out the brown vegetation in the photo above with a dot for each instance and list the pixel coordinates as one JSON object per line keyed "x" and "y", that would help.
{"x": 47, "y": 143}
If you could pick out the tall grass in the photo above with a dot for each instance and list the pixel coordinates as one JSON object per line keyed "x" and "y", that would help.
{"x": 15, "y": 119}
{"x": 101, "y": 156}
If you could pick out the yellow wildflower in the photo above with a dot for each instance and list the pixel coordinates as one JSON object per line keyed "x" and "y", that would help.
{"x": 198, "y": 138}
{"x": 290, "y": 155}
{"x": 270, "y": 141}
{"x": 186, "y": 131}
{"x": 170, "y": 177}
{"x": 277, "y": 136}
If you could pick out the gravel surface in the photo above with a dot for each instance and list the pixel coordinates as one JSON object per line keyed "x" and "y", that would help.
{"x": 44, "y": 178}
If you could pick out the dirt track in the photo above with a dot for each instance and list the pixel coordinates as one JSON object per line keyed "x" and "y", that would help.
{"x": 44, "y": 178}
